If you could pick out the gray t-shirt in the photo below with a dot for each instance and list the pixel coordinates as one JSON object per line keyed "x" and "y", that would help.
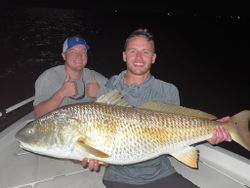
{"x": 52, "y": 79}
{"x": 151, "y": 89}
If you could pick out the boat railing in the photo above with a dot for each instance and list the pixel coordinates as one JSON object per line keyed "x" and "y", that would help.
{"x": 12, "y": 113}
{"x": 4, "y": 112}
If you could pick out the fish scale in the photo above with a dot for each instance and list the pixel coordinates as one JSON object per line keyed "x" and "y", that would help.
{"x": 124, "y": 134}
{"x": 151, "y": 131}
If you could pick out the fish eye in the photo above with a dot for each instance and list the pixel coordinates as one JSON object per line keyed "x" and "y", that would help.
{"x": 30, "y": 131}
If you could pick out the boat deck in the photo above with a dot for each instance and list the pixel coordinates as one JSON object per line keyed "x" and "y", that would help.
{"x": 21, "y": 169}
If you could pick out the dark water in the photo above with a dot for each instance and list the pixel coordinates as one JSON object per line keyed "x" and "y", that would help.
{"x": 206, "y": 57}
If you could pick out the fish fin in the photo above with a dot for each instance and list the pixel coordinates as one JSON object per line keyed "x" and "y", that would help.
{"x": 240, "y": 129}
{"x": 188, "y": 156}
{"x": 87, "y": 146}
{"x": 175, "y": 109}
{"x": 113, "y": 97}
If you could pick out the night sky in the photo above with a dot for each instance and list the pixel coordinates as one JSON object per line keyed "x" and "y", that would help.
{"x": 203, "y": 48}
{"x": 206, "y": 7}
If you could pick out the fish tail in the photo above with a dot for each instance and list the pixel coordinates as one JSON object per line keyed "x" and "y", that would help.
{"x": 240, "y": 129}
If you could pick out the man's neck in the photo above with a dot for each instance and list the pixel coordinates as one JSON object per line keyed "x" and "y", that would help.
{"x": 74, "y": 75}
{"x": 135, "y": 79}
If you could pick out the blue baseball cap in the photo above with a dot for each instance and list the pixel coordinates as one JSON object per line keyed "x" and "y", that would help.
{"x": 72, "y": 41}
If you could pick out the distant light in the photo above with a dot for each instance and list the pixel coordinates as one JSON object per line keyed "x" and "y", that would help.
{"x": 168, "y": 13}
{"x": 238, "y": 17}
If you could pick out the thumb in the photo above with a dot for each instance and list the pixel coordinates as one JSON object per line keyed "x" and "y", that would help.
{"x": 92, "y": 78}
{"x": 224, "y": 119}
{"x": 67, "y": 79}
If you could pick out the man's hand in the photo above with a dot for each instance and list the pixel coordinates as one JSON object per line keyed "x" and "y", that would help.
{"x": 220, "y": 134}
{"x": 69, "y": 87}
{"x": 92, "y": 87}
{"x": 92, "y": 165}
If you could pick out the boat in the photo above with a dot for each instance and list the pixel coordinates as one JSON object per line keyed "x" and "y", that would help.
{"x": 218, "y": 167}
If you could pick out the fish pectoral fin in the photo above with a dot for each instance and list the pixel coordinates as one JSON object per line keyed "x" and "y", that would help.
{"x": 188, "y": 156}
{"x": 93, "y": 151}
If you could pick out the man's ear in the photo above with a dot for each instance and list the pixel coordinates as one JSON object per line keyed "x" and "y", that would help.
{"x": 124, "y": 56}
{"x": 154, "y": 58}
{"x": 63, "y": 56}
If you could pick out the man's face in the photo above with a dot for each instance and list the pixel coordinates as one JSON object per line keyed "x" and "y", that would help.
{"x": 76, "y": 57}
{"x": 139, "y": 55}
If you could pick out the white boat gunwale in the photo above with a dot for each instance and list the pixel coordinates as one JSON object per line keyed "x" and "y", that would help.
{"x": 218, "y": 167}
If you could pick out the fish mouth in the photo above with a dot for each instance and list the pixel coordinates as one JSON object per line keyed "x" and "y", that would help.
{"x": 18, "y": 137}
{"x": 22, "y": 144}
{"x": 24, "y": 130}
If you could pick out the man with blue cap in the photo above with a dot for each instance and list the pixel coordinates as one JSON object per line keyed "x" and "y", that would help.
{"x": 69, "y": 83}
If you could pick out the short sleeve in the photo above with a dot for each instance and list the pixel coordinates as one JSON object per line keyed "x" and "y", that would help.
{"x": 41, "y": 92}
{"x": 46, "y": 85}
